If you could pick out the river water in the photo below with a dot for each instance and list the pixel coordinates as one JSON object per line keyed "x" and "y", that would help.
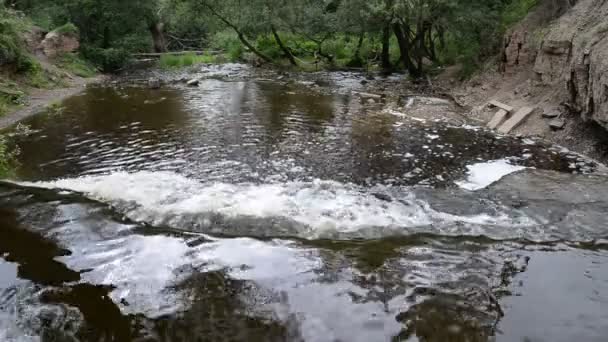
{"x": 261, "y": 206}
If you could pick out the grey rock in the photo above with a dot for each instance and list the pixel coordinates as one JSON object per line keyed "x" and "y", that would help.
{"x": 557, "y": 124}
{"x": 551, "y": 115}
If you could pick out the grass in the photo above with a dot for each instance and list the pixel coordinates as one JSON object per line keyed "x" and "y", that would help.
{"x": 74, "y": 64}
{"x": 69, "y": 29}
{"x": 183, "y": 61}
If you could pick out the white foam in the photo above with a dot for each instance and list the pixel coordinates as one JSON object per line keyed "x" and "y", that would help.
{"x": 318, "y": 208}
{"x": 319, "y": 205}
{"x": 481, "y": 175}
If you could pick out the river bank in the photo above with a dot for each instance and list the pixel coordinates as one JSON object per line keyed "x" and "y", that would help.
{"x": 255, "y": 204}
{"x": 39, "y": 99}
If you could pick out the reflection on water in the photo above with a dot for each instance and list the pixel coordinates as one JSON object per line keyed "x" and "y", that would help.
{"x": 252, "y": 209}
{"x": 257, "y": 131}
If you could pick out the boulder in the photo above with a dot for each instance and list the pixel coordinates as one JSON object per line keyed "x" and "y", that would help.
{"x": 56, "y": 43}
{"x": 551, "y": 114}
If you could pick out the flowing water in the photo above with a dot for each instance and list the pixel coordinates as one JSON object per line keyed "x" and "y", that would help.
{"x": 265, "y": 207}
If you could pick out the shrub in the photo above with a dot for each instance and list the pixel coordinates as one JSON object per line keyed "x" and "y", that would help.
{"x": 11, "y": 48}
{"x": 136, "y": 42}
{"x": 7, "y": 159}
{"x": 268, "y": 46}
{"x": 75, "y": 64}
{"x": 108, "y": 60}
{"x": 228, "y": 41}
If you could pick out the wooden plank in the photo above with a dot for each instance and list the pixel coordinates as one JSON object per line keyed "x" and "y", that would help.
{"x": 501, "y": 105}
{"x": 369, "y": 96}
{"x": 498, "y": 119}
{"x": 517, "y": 119}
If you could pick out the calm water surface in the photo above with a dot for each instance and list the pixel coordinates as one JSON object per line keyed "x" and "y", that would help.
{"x": 266, "y": 207}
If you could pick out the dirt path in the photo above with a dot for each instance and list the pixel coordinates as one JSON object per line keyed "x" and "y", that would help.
{"x": 39, "y": 99}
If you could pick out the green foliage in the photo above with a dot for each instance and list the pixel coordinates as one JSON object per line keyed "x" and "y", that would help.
{"x": 515, "y": 11}
{"x": 135, "y": 42}
{"x": 268, "y": 46}
{"x": 7, "y": 159}
{"x": 433, "y": 31}
{"x": 12, "y": 51}
{"x": 227, "y": 41}
{"x": 76, "y": 65}
{"x": 108, "y": 60}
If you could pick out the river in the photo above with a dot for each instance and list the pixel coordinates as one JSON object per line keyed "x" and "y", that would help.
{"x": 262, "y": 206}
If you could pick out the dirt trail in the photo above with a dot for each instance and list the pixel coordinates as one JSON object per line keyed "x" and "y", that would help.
{"x": 38, "y": 99}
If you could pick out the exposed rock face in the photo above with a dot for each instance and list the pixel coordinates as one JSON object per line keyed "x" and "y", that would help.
{"x": 56, "y": 43}
{"x": 517, "y": 49}
{"x": 573, "y": 57}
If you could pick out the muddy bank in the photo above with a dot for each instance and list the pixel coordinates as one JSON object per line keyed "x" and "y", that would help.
{"x": 40, "y": 99}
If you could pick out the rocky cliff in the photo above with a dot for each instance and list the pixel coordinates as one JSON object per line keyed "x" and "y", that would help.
{"x": 566, "y": 42}
{"x": 574, "y": 55}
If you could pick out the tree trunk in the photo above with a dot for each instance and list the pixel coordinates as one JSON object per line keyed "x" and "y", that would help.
{"x": 432, "y": 47}
{"x": 404, "y": 47}
{"x": 284, "y": 48}
{"x": 106, "y": 38}
{"x": 386, "y": 52}
{"x": 251, "y": 47}
{"x": 158, "y": 37}
{"x": 356, "y": 61}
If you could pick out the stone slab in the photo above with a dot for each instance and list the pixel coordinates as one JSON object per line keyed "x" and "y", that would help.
{"x": 498, "y": 119}
{"x": 557, "y": 124}
{"x": 517, "y": 119}
{"x": 501, "y": 105}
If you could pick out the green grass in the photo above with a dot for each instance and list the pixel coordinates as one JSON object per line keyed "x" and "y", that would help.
{"x": 74, "y": 64}
{"x": 69, "y": 29}
{"x": 183, "y": 61}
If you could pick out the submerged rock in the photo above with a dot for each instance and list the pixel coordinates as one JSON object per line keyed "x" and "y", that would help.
{"x": 154, "y": 83}
{"x": 193, "y": 82}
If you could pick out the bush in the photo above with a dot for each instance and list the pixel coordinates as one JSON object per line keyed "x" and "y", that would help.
{"x": 7, "y": 159}
{"x": 136, "y": 42}
{"x": 75, "y": 64}
{"x": 108, "y": 60}
{"x": 268, "y": 46}
{"x": 228, "y": 41}
{"x": 11, "y": 47}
